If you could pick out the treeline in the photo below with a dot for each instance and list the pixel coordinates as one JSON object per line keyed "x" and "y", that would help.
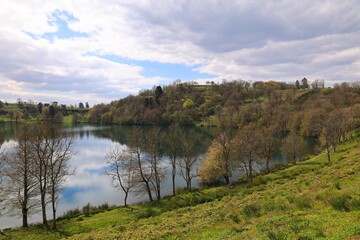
{"x": 25, "y": 111}
{"x": 33, "y": 171}
{"x": 183, "y": 103}
{"x": 189, "y": 103}
{"x": 248, "y": 137}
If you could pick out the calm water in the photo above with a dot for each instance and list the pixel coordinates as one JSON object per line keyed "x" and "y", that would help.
{"x": 89, "y": 185}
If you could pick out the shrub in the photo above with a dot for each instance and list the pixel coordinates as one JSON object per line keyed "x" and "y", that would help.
{"x": 276, "y": 235}
{"x": 341, "y": 203}
{"x": 86, "y": 210}
{"x": 252, "y": 210}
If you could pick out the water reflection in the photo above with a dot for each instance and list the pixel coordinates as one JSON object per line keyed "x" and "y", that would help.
{"x": 88, "y": 184}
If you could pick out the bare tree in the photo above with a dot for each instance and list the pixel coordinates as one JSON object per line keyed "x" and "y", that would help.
{"x": 22, "y": 190}
{"x": 267, "y": 143}
{"x": 173, "y": 148}
{"x": 40, "y": 146}
{"x": 189, "y": 159}
{"x": 153, "y": 143}
{"x": 2, "y": 176}
{"x": 293, "y": 147}
{"x": 144, "y": 170}
{"x": 121, "y": 168}
{"x": 60, "y": 151}
{"x": 247, "y": 143}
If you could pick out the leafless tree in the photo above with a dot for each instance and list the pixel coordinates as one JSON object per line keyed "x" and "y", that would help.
{"x": 60, "y": 151}
{"x": 247, "y": 144}
{"x": 22, "y": 190}
{"x": 267, "y": 143}
{"x": 293, "y": 147}
{"x": 122, "y": 169}
{"x": 173, "y": 148}
{"x": 52, "y": 151}
{"x": 41, "y": 151}
{"x": 145, "y": 172}
{"x": 189, "y": 159}
{"x": 2, "y": 177}
{"x": 153, "y": 144}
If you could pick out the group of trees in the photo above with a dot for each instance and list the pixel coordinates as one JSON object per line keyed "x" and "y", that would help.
{"x": 142, "y": 166}
{"x": 248, "y": 139}
{"x": 29, "y": 110}
{"x": 34, "y": 170}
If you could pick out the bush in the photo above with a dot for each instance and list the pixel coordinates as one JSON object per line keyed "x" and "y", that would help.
{"x": 86, "y": 210}
{"x": 149, "y": 212}
{"x": 341, "y": 203}
{"x": 276, "y": 235}
{"x": 252, "y": 210}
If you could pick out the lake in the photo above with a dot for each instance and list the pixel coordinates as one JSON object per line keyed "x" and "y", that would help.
{"x": 89, "y": 184}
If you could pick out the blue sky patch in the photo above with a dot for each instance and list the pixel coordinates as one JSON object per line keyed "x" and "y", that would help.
{"x": 157, "y": 69}
{"x": 61, "y": 19}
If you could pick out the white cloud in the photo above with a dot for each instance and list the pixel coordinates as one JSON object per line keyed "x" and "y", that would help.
{"x": 251, "y": 40}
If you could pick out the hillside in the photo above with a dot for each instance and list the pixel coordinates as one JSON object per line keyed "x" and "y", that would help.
{"x": 311, "y": 200}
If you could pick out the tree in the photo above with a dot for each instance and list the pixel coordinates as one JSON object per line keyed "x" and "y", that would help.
{"x": 121, "y": 168}
{"x": 158, "y": 94}
{"x": 247, "y": 144}
{"x": 297, "y": 84}
{"x": 190, "y": 152}
{"x": 335, "y": 126}
{"x": 81, "y": 105}
{"x": 22, "y": 191}
{"x": 217, "y": 162}
{"x": 153, "y": 144}
{"x": 145, "y": 172}
{"x": 87, "y": 105}
{"x": 304, "y": 82}
{"x": 60, "y": 151}
{"x": 40, "y": 146}
{"x": 267, "y": 143}
{"x": 173, "y": 148}
{"x": 40, "y": 107}
{"x": 3, "y": 158}
{"x": 293, "y": 147}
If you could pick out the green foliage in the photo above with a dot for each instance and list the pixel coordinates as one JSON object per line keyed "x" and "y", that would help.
{"x": 188, "y": 103}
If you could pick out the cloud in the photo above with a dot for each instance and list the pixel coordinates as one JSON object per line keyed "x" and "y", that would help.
{"x": 59, "y": 48}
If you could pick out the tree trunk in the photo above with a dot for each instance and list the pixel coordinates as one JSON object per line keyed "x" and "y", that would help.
{"x": 125, "y": 199}
{"x": 173, "y": 179}
{"x": 328, "y": 152}
{"x": 227, "y": 179}
{"x": 24, "y": 216}
{"x": 267, "y": 165}
{"x": 149, "y": 191}
{"x": 43, "y": 210}
{"x": 53, "y": 206}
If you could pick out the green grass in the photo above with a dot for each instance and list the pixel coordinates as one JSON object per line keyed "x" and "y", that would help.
{"x": 313, "y": 199}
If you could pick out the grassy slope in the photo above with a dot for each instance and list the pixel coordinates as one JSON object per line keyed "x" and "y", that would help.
{"x": 311, "y": 200}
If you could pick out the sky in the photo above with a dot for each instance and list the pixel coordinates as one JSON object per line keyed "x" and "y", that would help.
{"x": 96, "y": 51}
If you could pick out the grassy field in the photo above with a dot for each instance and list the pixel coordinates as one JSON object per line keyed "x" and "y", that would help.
{"x": 311, "y": 200}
